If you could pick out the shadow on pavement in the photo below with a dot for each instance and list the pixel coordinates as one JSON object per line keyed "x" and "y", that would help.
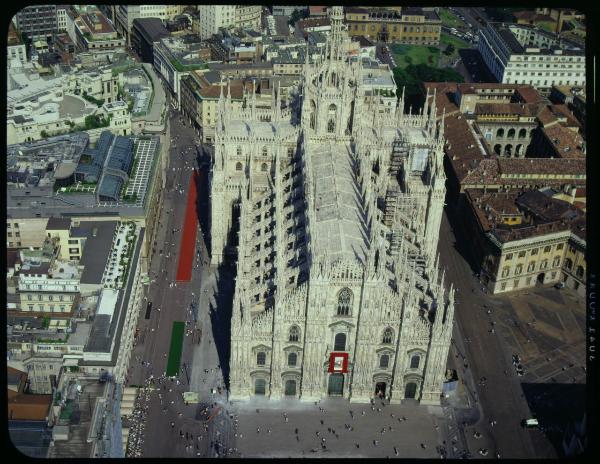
{"x": 220, "y": 317}
{"x": 474, "y": 64}
{"x": 463, "y": 247}
{"x": 557, "y": 407}
{"x": 202, "y": 205}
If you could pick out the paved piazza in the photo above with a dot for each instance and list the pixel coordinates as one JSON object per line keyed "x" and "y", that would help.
{"x": 423, "y": 424}
{"x": 554, "y": 322}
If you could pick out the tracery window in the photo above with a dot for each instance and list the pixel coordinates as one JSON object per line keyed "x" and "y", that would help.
{"x": 344, "y": 302}
{"x": 388, "y": 336}
{"x": 294, "y": 334}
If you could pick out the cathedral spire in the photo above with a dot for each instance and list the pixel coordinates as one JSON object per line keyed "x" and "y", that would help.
{"x": 278, "y": 101}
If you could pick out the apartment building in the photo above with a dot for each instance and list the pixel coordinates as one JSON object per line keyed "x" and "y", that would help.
{"x": 145, "y": 32}
{"x": 125, "y": 14}
{"x": 47, "y": 284}
{"x": 96, "y": 34}
{"x": 62, "y": 18}
{"x": 37, "y": 21}
{"x": 15, "y": 49}
{"x": 521, "y": 239}
{"x": 214, "y": 17}
{"x": 407, "y": 25}
{"x": 25, "y": 232}
{"x": 522, "y": 54}
{"x": 69, "y": 245}
{"x": 200, "y": 99}
{"x": 175, "y": 57}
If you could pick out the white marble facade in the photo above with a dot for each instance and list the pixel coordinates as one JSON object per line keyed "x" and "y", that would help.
{"x": 340, "y": 199}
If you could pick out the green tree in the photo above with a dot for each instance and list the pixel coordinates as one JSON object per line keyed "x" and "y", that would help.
{"x": 297, "y": 15}
{"x": 449, "y": 50}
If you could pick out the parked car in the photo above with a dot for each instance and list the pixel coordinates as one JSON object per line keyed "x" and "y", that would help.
{"x": 559, "y": 285}
{"x": 530, "y": 423}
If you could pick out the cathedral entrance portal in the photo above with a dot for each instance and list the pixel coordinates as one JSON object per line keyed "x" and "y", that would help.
{"x": 259, "y": 386}
{"x": 290, "y": 388}
{"x": 336, "y": 385}
{"x": 380, "y": 389}
{"x": 410, "y": 391}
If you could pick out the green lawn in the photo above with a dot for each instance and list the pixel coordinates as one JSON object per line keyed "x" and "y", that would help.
{"x": 449, "y": 19}
{"x": 447, "y": 39}
{"x": 547, "y": 26}
{"x": 176, "y": 347}
{"x": 415, "y": 54}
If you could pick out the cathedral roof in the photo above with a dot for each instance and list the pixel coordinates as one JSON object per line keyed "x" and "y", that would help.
{"x": 340, "y": 229}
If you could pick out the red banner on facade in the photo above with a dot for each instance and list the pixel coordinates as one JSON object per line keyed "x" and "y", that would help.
{"x": 338, "y": 362}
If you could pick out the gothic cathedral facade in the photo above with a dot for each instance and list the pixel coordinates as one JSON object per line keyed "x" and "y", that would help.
{"x": 333, "y": 206}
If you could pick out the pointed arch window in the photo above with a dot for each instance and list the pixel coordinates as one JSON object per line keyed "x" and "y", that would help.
{"x": 294, "y": 334}
{"x": 238, "y": 166}
{"x": 239, "y": 151}
{"x": 264, "y": 167}
{"x": 388, "y": 336}
{"x": 344, "y": 302}
{"x": 265, "y": 152}
{"x": 331, "y": 126}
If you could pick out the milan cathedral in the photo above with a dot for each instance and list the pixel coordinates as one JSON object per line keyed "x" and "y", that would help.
{"x": 335, "y": 206}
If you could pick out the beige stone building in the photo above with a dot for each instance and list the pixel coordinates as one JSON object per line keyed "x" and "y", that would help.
{"x": 69, "y": 246}
{"x": 45, "y": 283}
{"x": 401, "y": 24}
{"x": 25, "y": 232}
{"x": 524, "y": 239}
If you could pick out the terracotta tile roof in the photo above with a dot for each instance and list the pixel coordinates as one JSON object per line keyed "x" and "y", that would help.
{"x": 472, "y": 87}
{"x": 444, "y": 96}
{"x": 566, "y": 143}
{"x": 544, "y": 208}
{"x": 485, "y": 173}
{"x": 541, "y": 166}
{"x": 546, "y": 117}
{"x": 529, "y": 94}
{"x": 565, "y": 116}
{"x": 315, "y": 10}
{"x": 29, "y": 407}
{"x": 214, "y": 91}
{"x": 521, "y": 109}
{"x": 461, "y": 146}
{"x": 15, "y": 377}
{"x": 490, "y": 208}
{"x": 313, "y": 22}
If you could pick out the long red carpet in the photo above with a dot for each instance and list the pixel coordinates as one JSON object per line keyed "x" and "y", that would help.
{"x": 188, "y": 240}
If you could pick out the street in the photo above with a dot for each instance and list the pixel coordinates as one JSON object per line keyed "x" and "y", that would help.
{"x": 483, "y": 353}
{"x": 171, "y": 301}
